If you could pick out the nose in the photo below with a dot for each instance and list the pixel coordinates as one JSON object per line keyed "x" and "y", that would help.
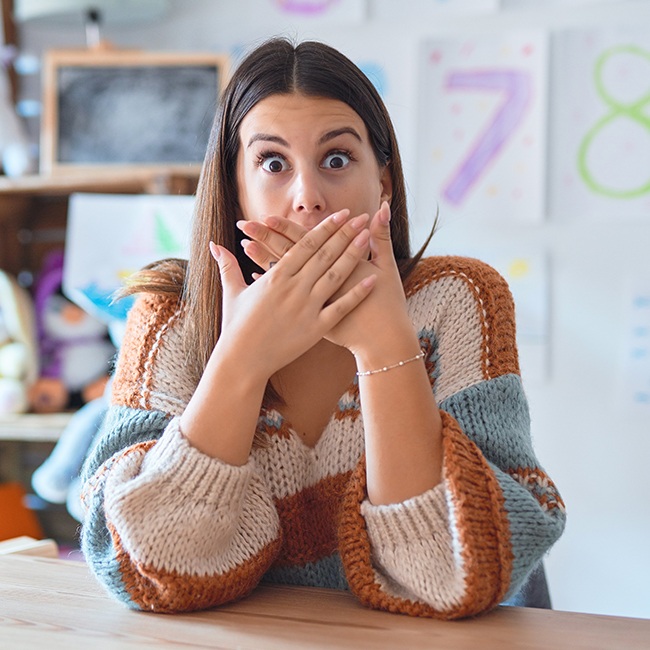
{"x": 308, "y": 195}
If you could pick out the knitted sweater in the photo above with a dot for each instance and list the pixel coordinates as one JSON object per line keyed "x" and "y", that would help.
{"x": 171, "y": 529}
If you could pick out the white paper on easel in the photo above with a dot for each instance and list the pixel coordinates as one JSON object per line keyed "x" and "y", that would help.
{"x": 110, "y": 236}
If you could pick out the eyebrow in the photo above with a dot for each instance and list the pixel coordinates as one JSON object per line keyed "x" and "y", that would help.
{"x": 330, "y": 135}
{"x": 326, "y": 137}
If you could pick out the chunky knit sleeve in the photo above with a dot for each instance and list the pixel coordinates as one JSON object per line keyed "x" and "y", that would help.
{"x": 168, "y": 528}
{"x": 468, "y": 544}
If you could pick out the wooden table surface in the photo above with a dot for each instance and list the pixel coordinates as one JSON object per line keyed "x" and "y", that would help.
{"x": 53, "y": 604}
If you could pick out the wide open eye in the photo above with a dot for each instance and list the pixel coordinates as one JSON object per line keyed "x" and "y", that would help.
{"x": 337, "y": 160}
{"x": 273, "y": 163}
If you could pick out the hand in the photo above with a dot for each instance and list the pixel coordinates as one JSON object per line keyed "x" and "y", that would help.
{"x": 270, "y": 239}
{"x": 275, "y": 236}
{"x": 287, "y": 311}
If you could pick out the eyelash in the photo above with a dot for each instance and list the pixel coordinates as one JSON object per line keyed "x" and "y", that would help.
{"x": 265, "y": 155}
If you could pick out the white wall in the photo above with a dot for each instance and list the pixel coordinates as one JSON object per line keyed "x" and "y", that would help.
{"x": 596, "y": 452}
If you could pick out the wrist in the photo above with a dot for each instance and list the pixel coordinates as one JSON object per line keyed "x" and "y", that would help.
{"x": 382, "y": 352}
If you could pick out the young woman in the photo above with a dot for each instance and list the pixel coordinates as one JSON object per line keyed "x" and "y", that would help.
{"x": 306, "y": 402}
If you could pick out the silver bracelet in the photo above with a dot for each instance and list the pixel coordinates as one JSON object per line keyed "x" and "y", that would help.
{"x": 365, "y": 373}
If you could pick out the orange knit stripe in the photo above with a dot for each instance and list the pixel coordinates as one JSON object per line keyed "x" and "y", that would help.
{"x": 540, "y": 485}
{"x": 309, "y": 521}
{"x": 131, "y": 386}
{"x": 481, "y": 520}
{"x": 494, "y": 305}
{"x": 160, "y": 590}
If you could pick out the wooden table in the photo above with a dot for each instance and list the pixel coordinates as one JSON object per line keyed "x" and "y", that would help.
{"x": 52, "y": 604}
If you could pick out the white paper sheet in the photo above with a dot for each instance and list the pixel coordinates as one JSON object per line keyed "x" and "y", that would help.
{"x": 482, "y": 125}
{"x": 601, "y": 124}
{"x": 110, "y": 236}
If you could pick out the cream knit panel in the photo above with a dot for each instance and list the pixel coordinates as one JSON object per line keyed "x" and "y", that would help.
{"x": 289, "y": 466}
{"x": 458, "y": 322}
{"x": 177, "y": 509}
{"x": 414, "y": 552}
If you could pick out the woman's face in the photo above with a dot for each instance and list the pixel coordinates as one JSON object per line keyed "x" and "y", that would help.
{"x": 304, "y": 158}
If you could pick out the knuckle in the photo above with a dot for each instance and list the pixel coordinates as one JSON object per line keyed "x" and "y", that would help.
{"x": 287, "y": 246}
{"x": 324, "y": 254}
{"x": 333, "y": 276}
{"x": 309, "y": 244}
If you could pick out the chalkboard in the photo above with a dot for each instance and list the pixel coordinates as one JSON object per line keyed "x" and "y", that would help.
{"x": 116, "y": 109}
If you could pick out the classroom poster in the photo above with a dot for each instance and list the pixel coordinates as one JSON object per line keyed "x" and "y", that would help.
{"x": 527, "y": 272}
{"x": 281, "y": 16}
{"x": 423, "y": 10}
{"x": 481, "y": 126}
{"x": 109, "y": 236}
{"x": 636, "y": 346}
{"x": 601, "y": 124}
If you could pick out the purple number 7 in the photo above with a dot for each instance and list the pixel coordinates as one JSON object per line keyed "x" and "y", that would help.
{"x": 516, "y": 87}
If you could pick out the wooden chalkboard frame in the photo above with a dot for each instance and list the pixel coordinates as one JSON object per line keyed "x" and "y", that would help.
{"x": 111, "y": 63}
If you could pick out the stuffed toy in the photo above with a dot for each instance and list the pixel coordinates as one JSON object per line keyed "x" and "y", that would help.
{"x": 75, "y": 351}
{"x": 57, "y": 479}
{"x": 15, "y": 158}
{"x": 18, "y": 348}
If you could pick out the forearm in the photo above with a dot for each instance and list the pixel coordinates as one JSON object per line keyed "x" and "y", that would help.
{"x": 403, "y": 429}
{"x": 228, "y": 399}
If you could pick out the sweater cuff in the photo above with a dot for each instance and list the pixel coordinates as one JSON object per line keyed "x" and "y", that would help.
{"x": 207, "y": 479}
{"x": 397, "y": 525}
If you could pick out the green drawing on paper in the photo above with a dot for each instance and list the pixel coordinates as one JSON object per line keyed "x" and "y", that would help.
{"x": 633, "y": 111}
{"x": 166, "y": 243}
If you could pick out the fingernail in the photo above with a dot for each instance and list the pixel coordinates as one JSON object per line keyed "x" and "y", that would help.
{"x": 384, "y": 214}
{"x": 369, "y": 281}
{"x": 240, "y": 224}
{"x": 245, "y": 243}
{"x": 361, "y": 240}
{"x": 214, "y": 251}
{"x": 340, "y": 216}
{"x": 359, "y": 222}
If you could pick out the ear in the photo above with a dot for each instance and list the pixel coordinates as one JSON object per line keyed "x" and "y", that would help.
{"x": 386, "y": 184}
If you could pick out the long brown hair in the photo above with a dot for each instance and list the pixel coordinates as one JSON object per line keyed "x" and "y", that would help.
{"x": 276, "y": 67}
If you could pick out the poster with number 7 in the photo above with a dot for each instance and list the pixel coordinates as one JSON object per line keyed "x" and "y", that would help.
{"x": 482, "y": 121}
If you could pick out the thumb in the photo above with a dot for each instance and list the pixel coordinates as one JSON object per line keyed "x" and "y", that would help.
{"x": 380, "y": 241}
{"x": 232, "y": 279}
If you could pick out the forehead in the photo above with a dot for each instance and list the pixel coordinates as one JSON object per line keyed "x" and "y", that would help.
{"x": 296, "y": 114}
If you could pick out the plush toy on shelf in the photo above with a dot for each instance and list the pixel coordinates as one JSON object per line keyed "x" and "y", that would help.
{"x": 57, "y": 479}
{"x": 75, "y": 351}
{"x": 18, "y": 349}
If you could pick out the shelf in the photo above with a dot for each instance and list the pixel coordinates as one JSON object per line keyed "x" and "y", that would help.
{"x": 31, "y": 427}
{"x": 143, "y": 180}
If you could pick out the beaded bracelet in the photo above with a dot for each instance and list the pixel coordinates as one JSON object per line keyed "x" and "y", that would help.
{"x": 365, "y": 373}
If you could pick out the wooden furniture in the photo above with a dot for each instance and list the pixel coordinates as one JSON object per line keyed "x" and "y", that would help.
{"x": 30, "y": 427}
{"x": 57, "y": 604}
{"x": 33, "y": 209}
{"x": 33, "y": 216}
{"x": 33, "y": 213}
{"x": 29, "y": 546}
